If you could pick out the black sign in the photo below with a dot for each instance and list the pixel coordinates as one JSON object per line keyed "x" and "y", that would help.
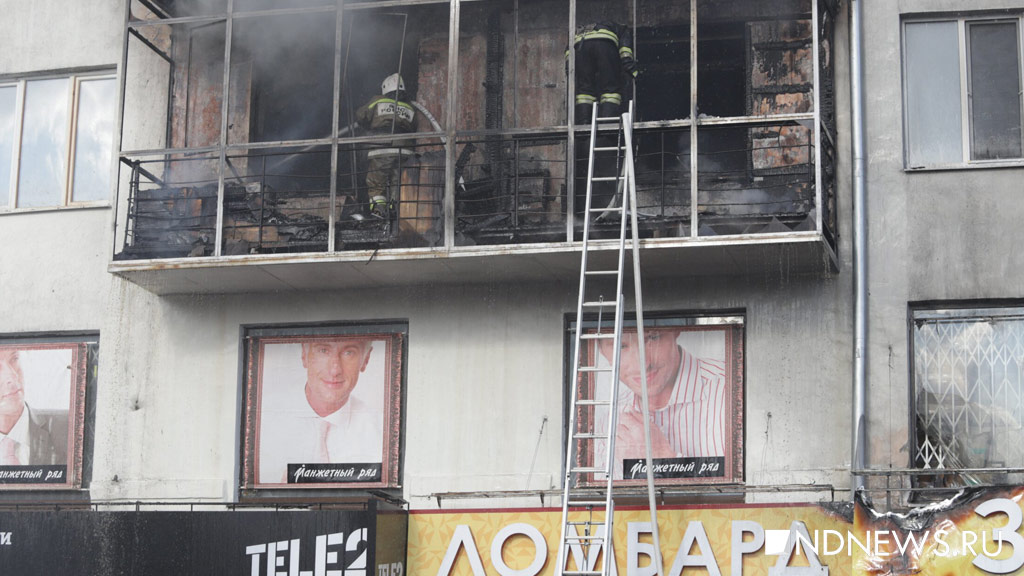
{"x": 333, "y": 473}
{"x": 257, "y": 543}
{"x": 33, "y": 474}
{"x": 710, "y": 467}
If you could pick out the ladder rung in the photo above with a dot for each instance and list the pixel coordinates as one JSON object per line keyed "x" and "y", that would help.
{"x": 588, "y": 470}
{"x": 585, "y": 523}
{"x": 602, "y": 272}
{"x": 614, "y": 209}
{"x": 586, "y": 503}
{"x": 595, "y": 369}
{"x": 584, "y": 402}
{"x": 608, "y": 119}
{"x": 584, "y": 538}
{"x": 605, "y": 178}
{"x": 608, "y": 148}
{"x": 589, "y": 436}
{"x": 599, "y": 303}
{"x": 598, "y": 336}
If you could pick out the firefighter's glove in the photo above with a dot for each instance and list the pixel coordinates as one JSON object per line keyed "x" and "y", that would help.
{"x": 630, "y": 65}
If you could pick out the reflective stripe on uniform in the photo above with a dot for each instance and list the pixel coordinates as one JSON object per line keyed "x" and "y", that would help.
{"x": 611, "y": 97}
{"x": 375, "y": 152}
{"x": 625, "y": 51}
{"x": 602, "y": 34}
{"x": 585, "y": 99}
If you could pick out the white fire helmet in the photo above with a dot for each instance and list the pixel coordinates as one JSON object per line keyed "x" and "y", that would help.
{"x": 392, "y": 83}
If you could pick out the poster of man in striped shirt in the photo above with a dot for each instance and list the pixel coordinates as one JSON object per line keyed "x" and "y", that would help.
{"x": 690, "y": 401}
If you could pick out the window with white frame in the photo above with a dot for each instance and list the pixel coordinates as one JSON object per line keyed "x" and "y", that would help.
{"x": 962, "y": 91}
{"x": 968, "y": 391}
{"x": 56, "y": 140}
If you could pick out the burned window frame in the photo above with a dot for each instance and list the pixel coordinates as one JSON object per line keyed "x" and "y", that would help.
{"x": 68, "y": 145}
{"x": 936, "y": 383}
{"x": 818, "y": 142}
{"x": 966, "y": 108}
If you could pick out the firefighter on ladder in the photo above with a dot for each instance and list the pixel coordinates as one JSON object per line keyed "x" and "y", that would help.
{"x": 604, "y": 51}
{"x": 387, "y": 114}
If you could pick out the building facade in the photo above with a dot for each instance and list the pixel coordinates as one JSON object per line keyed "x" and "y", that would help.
{"x": 186, "y": 226}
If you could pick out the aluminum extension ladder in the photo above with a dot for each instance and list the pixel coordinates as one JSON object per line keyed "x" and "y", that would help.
{"x": 588, "y": 512}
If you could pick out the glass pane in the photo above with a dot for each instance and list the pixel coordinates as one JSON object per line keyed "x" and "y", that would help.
{"x": 44, "y": 143}
{"x": 511, "y": 64}
{"x": 94, "y": 136}
{"x": 995, "y": 91}
{"x": 411, "y": 41}
{"x": 933, "y": 94}
{"x": 8, "y": 101}
{"x": 282, "y": 78}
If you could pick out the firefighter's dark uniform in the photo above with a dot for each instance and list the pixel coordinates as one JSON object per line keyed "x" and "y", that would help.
{"x": 386, "y": 114}
{"x": 603, "y": 51}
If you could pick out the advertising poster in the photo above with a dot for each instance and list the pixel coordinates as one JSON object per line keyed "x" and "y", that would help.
{"x": 695, "y": 399}
{"x": 42, "y": 390}
{"x": 323, "y": 410}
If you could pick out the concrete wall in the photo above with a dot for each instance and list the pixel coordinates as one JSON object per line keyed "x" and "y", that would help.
{"x": 485, "y": 363}
{"x": 943, "y": 235}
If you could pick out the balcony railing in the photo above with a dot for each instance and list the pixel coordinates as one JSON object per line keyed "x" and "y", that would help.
{"x": 240, "y": 132}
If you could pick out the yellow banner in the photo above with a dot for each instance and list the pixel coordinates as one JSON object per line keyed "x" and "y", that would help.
{"x": 975, "y": 532}
{"x": 694, "y": 540}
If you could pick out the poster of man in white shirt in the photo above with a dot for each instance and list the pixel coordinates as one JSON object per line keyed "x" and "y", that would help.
{"x": 39, "y": 387}
{"x": 324, "y": 410}
{"x": 693, "y": 402}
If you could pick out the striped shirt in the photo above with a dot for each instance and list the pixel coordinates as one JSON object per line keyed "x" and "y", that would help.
{"x": 693, "y": 421}
{"x": 694, "y": 418}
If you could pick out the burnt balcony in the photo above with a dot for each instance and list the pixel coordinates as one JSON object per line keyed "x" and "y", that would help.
{"x": 244, "y": 165}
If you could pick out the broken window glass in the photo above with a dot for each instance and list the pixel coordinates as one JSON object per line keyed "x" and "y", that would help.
{"x": 410, "y": 41}
{"x": 282, "y": 78}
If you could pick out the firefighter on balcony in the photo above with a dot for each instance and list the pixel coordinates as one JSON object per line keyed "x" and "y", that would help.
{"x": 603, "y": 51}
{"x": 387, "y": 114}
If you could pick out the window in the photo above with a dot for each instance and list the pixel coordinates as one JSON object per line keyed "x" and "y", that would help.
{"x": 962, "y": 91}
{"x": 56, "y": 138}
{"x": 695, "y": 386}
{"x": 968, "y": 391}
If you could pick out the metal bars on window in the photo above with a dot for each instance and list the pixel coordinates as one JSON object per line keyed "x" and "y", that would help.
{"x": 968, "y": 389}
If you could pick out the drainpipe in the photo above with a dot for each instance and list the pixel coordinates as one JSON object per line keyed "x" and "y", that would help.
{"x": 860, "y": 267}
